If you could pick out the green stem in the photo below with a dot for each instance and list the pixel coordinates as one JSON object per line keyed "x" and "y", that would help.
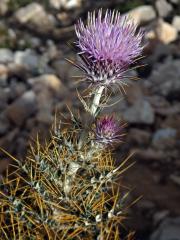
{"x": 93, "y": 109}
{"x": 96, "y": 100}
{"x": 73, "y": 167}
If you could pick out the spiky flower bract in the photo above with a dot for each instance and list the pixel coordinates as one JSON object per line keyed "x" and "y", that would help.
{"x": 107, "y": 46}
{"x": 44, "y": 199}
{"x": 108, "y": 130}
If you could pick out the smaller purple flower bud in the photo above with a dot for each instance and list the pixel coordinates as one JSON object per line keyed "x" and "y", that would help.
{"x": 108, "y": 130}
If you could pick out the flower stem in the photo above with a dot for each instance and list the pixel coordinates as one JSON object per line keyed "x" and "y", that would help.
{"x": 93, "y": 110}
{"x": 96, "y": 100}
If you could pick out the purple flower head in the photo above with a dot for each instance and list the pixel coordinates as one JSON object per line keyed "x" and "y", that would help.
{"x": 108, "y": 45}
{"x": 108, "y": 130}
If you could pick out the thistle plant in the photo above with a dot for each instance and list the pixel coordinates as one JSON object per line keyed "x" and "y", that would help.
{"x": 68, "y": 188}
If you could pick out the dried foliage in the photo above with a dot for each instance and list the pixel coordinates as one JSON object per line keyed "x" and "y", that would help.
{"x": 61, "y": 192}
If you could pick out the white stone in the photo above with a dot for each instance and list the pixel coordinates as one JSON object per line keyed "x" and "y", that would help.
{"x": 29, "y": 12}
{"x": 174, "y": 1}
{"x": 49, "y": 81}
{"x": 176, "y": 22}
{"x": 35, "y": 14}
{"x": 142, "y": 14}
{"x": 166, "y": 33}
{"x": 3, "y": 7}
{"x": 6, "y": 55}
{"x": 57, "y": 4}
{"x": 163, "y": 8}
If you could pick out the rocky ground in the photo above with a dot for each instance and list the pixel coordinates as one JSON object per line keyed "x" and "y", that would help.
{"x": 36, "y": 81}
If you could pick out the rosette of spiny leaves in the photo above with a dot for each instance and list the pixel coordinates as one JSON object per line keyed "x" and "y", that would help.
{"x": 68, "y": 188}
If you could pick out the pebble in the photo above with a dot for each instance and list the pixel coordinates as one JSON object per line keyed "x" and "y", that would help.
{"x": 6, "y": 142}
{"x": 28, "y": 59}
{"x": 175, "y": 179}
{"x": 3, "y": 75}
{"x": 22, "y": 108}
{"x": 6, "y": 56}
{"x": 71, "y": 4}
{"x": 159, "y": 216}
{"x": 3, "y": 7}
{"x": 166, "y": 33}
{"x": 138, "y": 136}
{"x": 140, "y": 112}
{"x": 163, "y": 134}
{"x": 50, "y": 81}
{"x": 3, "y": 70}
{"x": 176, "y": 23}
{"x": 4, "y": 124}
{"x": 66, "y": 4}
{"x": 143, "y": 14}
{"x": 174, "y": 1}
{"x": 165, "y": 77}
{"x": 3, "y": 99}
{"x": 149, "y": 155}
{"x": 164, "y": 138}
{"x": 169, "y": 229}
{"x": 57, "y": 4}
{"x": 163, "y": 8}
{"x": 35, "y": 14}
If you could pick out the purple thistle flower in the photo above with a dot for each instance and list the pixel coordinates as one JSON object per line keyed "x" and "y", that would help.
{"x": 108, "y": 45}
{"x": 108, "y": 130}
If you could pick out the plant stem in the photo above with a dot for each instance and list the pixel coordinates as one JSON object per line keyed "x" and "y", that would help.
{"x": 73, "y": 167}
{"x": 96, "y": 100}
{"x": 93, "y": 110}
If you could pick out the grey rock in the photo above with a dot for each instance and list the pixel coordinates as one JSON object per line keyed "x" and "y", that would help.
{"x": 50, "y": 82}
{"x": 57, "y": 4}
{"x": 159, "y": 216}
{"x": 143, "y": 14}
{"x": 175, "y": 179}
{"x": 176, "y": 22}
{"x": 4, "y": 124}
{"x": 66, "y": 71}
{"x": 64, "y": 19}
{"x": 35, "y": 14}
{"x": 3, "y": 75}
{"x": 16, "y": 90}
{"x": 22, "y": 144}
{"x": 28, "y": 59}
{"x": 164, "y": 138}
{"x": 140, "y": 112}
{"x": 7, "y": 140}
{"x": 168, "y": 230}
{"x": 174, "y": 1}
{"x": 35, "y": 42}
{"x": 3, "y": 99}
{"x": 22, "y": 108}
{"x": 163, "y": 8}
{"x": 138, "y": 136}
{"x": 6, "y": 55}
{"x": 150, "y": 155}
{"x": 164, "y": 134}
{"x": 71, "y": 4}
{"x": 165, "y": 78}
{"x": 3, "y": 7}
{"x": 47, "y": 88}
{"x": 45, "y": 106}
